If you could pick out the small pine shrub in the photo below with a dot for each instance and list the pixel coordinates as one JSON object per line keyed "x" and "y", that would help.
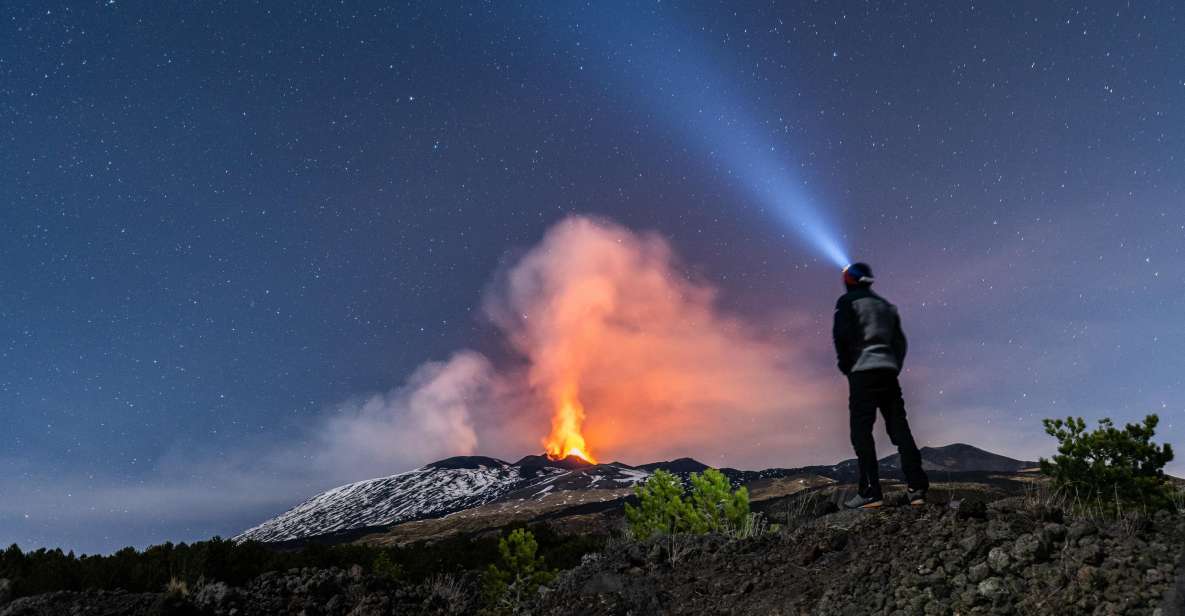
{"x": 711, "y": 506}
{"x": 660, "y": 510}
{"x": 505, "y": 588}
{"x": 1109, "y": 465}
{"x": 714, "y": 506}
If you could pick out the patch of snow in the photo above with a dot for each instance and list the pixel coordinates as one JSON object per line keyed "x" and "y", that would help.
{"x": 631, "y": 476}
{"x": 421, "y": 493}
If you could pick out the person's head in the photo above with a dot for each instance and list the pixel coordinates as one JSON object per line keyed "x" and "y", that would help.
{"x": 857, "y": 275}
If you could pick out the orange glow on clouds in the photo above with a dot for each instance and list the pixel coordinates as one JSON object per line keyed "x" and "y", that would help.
{"x": 632, "y": 359}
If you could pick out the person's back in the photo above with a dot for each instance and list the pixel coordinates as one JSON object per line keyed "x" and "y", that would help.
{"x": 870, "y": 347}
{"x": 870, "y": 329}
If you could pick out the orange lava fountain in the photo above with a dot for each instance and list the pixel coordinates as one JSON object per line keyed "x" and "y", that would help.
{"x": 565, "y": 438}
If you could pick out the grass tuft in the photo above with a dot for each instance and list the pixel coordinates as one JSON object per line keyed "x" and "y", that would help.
{"x": 177, "y": 587}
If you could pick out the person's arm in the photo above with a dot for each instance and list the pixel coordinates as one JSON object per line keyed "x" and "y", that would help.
{"x": 900, "y": 344}
{"x": 841, "y": 334}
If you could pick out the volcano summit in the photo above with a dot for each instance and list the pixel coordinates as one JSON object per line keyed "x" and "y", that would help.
{"x": 434, "y": 490}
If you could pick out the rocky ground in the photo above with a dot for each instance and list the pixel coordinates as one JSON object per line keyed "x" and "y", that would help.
{"x": 1012, "y": 556}
{"x": 982, "y": 547}
{"x": 93, "y": 603}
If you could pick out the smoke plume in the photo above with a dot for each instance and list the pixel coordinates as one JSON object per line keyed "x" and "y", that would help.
{"x": 623, "y": 357}
{"x": 430, "y": 417}
{"x": 608, "y": 321}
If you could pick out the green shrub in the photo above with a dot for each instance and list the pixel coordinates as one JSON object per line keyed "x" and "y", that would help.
{"x": 714, "y": 506}
{"x": 1109, "y": 465}
{"x": 711, "y": 505}
{"x": 660, "y": 510}
{"x": 522, "y": 572}
{"x": 385, "y": 567}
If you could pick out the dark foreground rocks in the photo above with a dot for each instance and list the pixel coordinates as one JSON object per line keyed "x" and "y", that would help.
{"x": 307, "y": 592}
{"x": 94, "y": 603}
{"x": 334, "y": 592}
{"x": 1001, "y": 559}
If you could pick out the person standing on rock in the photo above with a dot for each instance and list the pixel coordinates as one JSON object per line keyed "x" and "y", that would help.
{"x": 871, "y": 348}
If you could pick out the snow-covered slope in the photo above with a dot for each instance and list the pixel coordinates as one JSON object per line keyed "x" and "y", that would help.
{"x": 430, "y": 491}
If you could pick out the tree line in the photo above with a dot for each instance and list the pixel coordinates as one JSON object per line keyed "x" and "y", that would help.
{"x": 217, "y": 559}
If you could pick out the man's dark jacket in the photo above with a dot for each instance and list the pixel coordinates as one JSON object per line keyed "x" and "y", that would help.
{"x": 867, "y": 333}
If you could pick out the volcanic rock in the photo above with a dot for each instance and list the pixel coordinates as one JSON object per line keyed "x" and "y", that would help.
{"x": 1029, "y": 548}
{"x": 998, "y": 560}
{"x": 991, "y": 587}
{"x": 542, "y": 461}
{"x": 679, "y": 466}
{"x": 96, "y": 603}
{"x": 899, "y": 560}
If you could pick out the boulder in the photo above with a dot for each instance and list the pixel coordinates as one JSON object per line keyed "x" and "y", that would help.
{"x": 998, "y": 560}
{"x": 1081, "y": 529}
{"x": 213, "y": 596}
{"x": 1054, "y": 532}
{"x": 992, "y": 587}
{"x": 971, "y": 543}
{"x": 1029, "y": 548}
{"x": 978, "y": 573}
{"x": 1090, "y": 554}
{"x": 972, "y": 510}
{"x": 999, "y": 530}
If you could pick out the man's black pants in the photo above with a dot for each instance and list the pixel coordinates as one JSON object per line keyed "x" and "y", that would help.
{"x": 868, "y": 391}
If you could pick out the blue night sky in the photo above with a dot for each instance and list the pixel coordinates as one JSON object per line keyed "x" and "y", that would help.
{"x": 224, "y": 226}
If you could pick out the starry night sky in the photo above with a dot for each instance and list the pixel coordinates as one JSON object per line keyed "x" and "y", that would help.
{"x": 219, "y": 221}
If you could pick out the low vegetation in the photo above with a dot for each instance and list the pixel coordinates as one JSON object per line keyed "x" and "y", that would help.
{"x": 517, "y": 576}
{"x": 1177, "y": 498}
{"x": 1110, "y": 468}
{"x": 710, "y": 506}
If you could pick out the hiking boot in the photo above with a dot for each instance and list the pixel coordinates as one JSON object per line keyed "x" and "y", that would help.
{"x": 916, "y": 497}
{"x": 863, "y": 502}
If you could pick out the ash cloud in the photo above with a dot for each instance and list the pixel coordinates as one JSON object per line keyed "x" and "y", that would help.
{"x": 661, "y": 369}
{"x": 431, "y": 416}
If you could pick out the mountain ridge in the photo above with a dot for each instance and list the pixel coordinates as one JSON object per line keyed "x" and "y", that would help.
{"x": 459, "y": 483}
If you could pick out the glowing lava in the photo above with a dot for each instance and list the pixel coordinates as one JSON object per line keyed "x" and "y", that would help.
{"x": 565, "y": 438}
